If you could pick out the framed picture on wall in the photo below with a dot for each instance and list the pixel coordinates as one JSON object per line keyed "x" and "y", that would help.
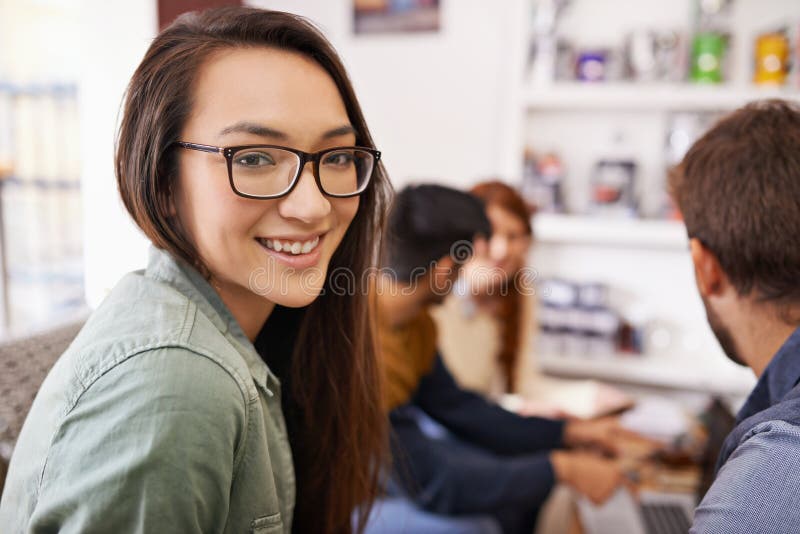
{"x": 395, "y": 16}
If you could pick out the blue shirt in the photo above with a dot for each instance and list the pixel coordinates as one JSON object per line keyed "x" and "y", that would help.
{"x": 757, "y": 488}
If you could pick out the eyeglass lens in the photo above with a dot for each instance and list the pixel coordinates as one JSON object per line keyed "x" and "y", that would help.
{"x": 266, "y": 171}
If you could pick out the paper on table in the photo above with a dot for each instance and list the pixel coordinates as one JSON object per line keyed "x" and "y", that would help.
{"x": 658, "y": 418}
{"x": 617, "y": 514}
{"x": 582, "y": 399}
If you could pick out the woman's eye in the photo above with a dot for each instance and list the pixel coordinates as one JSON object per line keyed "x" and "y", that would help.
{"x": 254, "y": 159}
{"x": 338, "y": 159}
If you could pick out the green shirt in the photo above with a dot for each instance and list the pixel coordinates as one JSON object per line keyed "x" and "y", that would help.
{"x": 160, "y": 417}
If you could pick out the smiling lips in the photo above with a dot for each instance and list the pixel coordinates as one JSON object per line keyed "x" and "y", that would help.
{"x": 290, "y": 247}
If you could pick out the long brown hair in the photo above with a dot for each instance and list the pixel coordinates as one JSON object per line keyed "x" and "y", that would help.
{"x": 509, "y": 301}
{"x": 342, "y": 439}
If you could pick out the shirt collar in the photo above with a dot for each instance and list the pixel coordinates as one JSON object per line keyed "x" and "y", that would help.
{"x": 162, "y": 266}
{"x": 462, "y": 294}
{"x": 779, "y": 378}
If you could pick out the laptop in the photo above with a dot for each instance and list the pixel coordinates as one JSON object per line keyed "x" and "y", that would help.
{"x": 655, "y": 512}
{"x": 651, "y": 513}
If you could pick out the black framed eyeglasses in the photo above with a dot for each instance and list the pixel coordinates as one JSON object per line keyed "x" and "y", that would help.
{"x": 272, "y": 171}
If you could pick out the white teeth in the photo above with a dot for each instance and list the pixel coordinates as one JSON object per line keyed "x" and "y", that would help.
{"x": 293, "y": 247}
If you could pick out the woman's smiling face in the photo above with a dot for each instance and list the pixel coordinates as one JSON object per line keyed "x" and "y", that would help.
{"x": 278, "y": 249}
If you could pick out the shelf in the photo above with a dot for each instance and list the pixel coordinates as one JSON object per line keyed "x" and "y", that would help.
{"x": 649, "y": 96}
{"x": 64, "y": 184}
{"x": 53, "y": 89}
{"x": 587, "y": 230}
{"x": 678, "y": 373}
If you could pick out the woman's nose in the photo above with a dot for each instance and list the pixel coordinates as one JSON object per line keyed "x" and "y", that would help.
{"x": 498, "y": 248}
{"x": 306, "y": 202}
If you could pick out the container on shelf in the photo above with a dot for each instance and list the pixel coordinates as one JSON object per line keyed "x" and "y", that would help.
{"x": 772, "y": 59}
{"x": 708, "y": 52}
{"x": 591, "y": 65}
{"x": 576, "y": 319}
{"x": 541, "y": 183}
{"x": 654, "y": 55}
{"x": 612, "y": 189}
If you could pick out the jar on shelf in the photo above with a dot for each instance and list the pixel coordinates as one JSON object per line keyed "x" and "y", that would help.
{"x": 708, "y": 52}
{"x": 772, "y": 59}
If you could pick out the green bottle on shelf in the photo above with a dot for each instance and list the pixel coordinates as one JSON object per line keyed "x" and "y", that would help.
{"x": 708, "y": 51}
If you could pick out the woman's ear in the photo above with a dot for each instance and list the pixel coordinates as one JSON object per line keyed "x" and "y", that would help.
{"x": 172, "y": 210}
{"x": 711, "y": 279}
{"x": 168, "y": 168}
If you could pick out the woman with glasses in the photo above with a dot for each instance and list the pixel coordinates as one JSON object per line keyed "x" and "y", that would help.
{"x": 231, "y": 386}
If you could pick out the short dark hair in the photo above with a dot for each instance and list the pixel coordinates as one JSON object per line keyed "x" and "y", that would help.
{"x": 426, "y": 222}
{"x": 738, "y": 188}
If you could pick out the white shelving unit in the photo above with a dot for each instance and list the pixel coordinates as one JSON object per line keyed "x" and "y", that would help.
{"x": 593, "y": 231}
{"x": 647, "y": 96}
{"x": 645, "y": 262}
{"x": 656, "y": 371}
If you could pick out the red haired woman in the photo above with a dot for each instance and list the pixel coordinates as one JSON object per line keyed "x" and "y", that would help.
{"x": 485, "y": 326}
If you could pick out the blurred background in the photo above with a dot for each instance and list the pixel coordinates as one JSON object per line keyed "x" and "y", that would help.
{"x": 584, "y": 105}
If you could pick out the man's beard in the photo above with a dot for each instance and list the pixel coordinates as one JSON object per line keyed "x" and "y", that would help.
{"x": 723, "y": 335}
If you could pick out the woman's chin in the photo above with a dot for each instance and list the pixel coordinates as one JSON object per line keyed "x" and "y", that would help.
{"x": 294, "y": 295}
{"x": 295, "y": 300}
{"x": 286, "y": 288}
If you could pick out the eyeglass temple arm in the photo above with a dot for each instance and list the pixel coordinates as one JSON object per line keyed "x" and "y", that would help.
{"x": 202, "y": 148}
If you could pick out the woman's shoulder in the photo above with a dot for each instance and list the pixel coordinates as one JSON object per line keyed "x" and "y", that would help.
{"x": 153, "y": 324}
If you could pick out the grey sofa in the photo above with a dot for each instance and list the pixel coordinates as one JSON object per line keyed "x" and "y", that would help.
{"x": 24, "y": 363}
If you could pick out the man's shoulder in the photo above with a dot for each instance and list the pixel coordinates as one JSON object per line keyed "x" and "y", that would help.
{"x": 756, "y": 490}
{"x": 773, "y": 436}
{"x": 772, "y": 444}
{"x": 780, "y": 422}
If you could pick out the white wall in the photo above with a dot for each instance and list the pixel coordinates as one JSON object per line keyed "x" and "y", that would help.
{"x": 114, "y": 36}
{"x": 24, "y": 26}
{"x": 433, "y": 101}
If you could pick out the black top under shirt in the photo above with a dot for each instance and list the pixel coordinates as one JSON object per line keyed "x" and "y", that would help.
{"x": 275, "y": 344}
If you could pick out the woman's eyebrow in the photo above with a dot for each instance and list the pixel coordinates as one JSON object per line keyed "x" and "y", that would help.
{"x": 265, "y": 131}
{"x": 340, "y": 131}
{"x": 255, "y": 129}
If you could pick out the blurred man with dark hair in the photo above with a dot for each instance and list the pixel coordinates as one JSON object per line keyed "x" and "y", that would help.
{"x": 739, "y": 190}
{"x": 454, "y": 453}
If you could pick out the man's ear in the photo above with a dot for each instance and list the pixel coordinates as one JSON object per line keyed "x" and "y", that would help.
{"x": 711, "y": 279}
{"x": 480, "y": 247}
{"x": 445, "y": 264}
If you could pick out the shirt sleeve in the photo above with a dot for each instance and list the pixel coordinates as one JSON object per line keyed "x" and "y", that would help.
{"x": 474, "y": 419}
{"x": 756, "y": 490}
{"x": 447, "y": 476}
{"x": 149, "y": 447}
